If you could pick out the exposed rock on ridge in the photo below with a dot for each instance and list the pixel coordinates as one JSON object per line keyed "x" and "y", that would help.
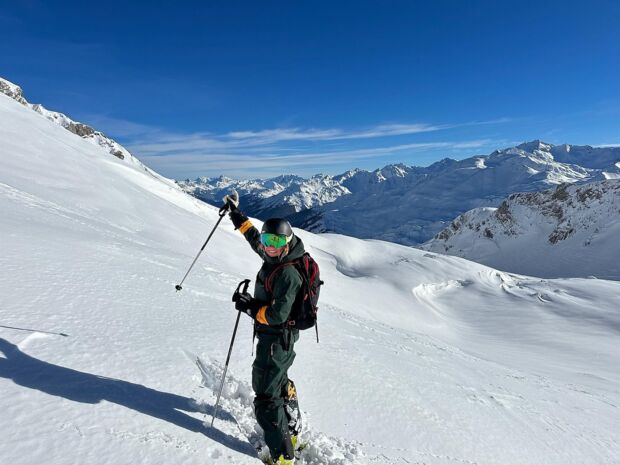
{"x": 84, "y": 131}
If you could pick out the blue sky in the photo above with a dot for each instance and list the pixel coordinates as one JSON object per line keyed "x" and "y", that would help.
{"x": 260, "y": 88}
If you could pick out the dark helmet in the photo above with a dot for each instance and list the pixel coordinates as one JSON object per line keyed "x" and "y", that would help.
{"x": 277, "y": 226}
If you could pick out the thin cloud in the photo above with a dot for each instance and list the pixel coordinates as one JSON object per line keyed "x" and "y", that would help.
{"x": 311, "y": 163}
{"x": 604, "y": 146}
{"x": 277, "y": 135}
{"x": 304, "y": 150}
{"x": 160, "y": 144}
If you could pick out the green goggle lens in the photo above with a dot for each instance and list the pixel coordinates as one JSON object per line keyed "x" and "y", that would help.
{"x": 273, "y": 240}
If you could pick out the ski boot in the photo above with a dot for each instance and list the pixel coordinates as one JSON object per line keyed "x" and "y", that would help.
{"x": 279, "y": 461}
{"x": 282, "y": 461}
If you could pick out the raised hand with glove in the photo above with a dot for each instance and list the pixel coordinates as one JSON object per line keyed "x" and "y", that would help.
{"x": 236, "y": 216}
{"x": 232, "y": 200}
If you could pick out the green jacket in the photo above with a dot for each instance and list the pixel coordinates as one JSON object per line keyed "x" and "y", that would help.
{"x": 286, "y": 283}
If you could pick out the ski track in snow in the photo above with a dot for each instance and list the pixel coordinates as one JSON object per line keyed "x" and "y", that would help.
{"x": 81, "y": 218}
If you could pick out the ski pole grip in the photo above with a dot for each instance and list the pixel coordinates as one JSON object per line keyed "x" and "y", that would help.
{"x": 245, "y": 283}
{"x": 223, "y": 209}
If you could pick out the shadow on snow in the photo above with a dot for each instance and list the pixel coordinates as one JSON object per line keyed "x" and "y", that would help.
{"x": 87, "y": 388}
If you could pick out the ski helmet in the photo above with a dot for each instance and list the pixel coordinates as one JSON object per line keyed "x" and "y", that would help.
{"x": 278, "y": 226}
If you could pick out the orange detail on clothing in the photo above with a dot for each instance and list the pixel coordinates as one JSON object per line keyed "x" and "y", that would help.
{"x": 260, "y": 316}
{"x": 245, "y": 226}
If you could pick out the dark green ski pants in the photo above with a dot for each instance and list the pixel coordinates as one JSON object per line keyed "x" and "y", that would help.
{"x": 270, "y": 381}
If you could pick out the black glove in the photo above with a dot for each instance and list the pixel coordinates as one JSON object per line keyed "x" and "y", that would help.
{"x": 237, "y": 217}
{"x": 245, "y": 303}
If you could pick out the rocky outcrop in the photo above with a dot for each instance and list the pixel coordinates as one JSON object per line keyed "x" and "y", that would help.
{"x": 11, "y": 90}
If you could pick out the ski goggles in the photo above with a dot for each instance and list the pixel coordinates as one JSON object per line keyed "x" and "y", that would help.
{"x": 273, "y": 240}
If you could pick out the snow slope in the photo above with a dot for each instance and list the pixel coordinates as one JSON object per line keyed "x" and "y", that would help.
{"x": 569, "y": 231}
{"x": 424, "y": 358}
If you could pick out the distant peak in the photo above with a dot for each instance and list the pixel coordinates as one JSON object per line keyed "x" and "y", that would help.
{"x": 349, "y": 174}
{"x": 287, "y": 178}
{"x": 396, "y": 170}
{"x": 443, "y": 163}
{"x": 535, "y": 145}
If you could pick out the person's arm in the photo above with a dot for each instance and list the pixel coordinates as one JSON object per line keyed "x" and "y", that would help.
{"x": 242, "y": 223}
{"x": 245, "y": 227}
{"x": 286, "y": 286}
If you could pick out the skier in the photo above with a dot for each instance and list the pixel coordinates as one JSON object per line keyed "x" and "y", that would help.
{"x": 275, "y": 244}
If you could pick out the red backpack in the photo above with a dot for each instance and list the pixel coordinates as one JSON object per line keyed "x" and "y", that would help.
{"x": 305, "y": 308}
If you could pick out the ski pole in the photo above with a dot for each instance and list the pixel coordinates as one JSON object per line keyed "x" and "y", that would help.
{"x": 222, "y": 212}
{"x": 35, "y": 331}
{"x": 245, "y": 283}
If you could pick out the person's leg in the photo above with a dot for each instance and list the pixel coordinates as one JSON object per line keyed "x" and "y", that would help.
{"x": 269, "y": 377}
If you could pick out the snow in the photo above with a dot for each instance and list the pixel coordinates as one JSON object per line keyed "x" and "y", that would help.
{"x": 480, "y": 163}
{"x": 607, "y": 175}
{"x": 423, "y": 358}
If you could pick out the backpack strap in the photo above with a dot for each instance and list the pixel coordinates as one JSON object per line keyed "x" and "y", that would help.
{"x": 298, "y": 264}
{"x": 269, "y": 280}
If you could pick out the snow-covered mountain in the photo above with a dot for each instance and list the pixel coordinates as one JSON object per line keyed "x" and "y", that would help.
{"x": 409, "y": 205}
{"x": 280, "y": 196}
{"x": 84, "y": 131}
{"x": 572, "y": 230}
{"x": 424, "y": 358}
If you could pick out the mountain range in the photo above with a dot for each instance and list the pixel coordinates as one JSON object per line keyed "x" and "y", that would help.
{"x": 408, "y": 204}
